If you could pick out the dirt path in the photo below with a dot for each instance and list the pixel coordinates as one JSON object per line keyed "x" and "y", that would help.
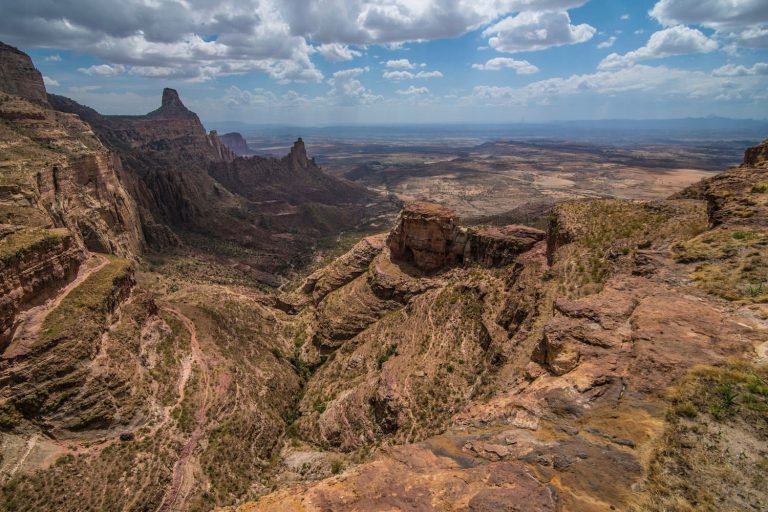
{"x": 181, "y": 482}
{"x": 31, "y": 320}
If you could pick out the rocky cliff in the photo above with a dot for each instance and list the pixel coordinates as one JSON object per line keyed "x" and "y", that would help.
{"x": 56, "y": 172}
{"x": 430, "y": 237}
{"x": 19, "y": 77}
{"x": 191, "y": 182}
{"x": 588, "y": 364}
{"x": 235, "y": 142}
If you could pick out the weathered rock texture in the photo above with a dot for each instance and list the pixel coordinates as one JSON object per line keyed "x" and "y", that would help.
{"x": 18, "y": 76}
{"x": 56, "y": 173}
{"x": 33, "y": 264}
{"x": 191, "y": 182}
{"x": 429, "y": 236}
{"x": 237, "y": 144}
{"x": 540, "y": 385}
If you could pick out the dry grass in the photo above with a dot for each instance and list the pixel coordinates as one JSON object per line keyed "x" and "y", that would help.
{"x": 712, "y": 455}
{"x": 730, "y": 264}
{"x": 14, "y": 246}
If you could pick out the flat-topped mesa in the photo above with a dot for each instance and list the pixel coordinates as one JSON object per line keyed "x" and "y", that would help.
{"x": 18, "y": 76}
{"x": 429, "y": 236}
{"x": 757, "y": 156}
{"x": 236, "y": 143}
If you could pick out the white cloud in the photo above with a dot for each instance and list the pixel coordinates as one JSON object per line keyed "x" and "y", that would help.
{"x": 402, "y": 64}
{"x": 347, "y": 90}
{"x": 397, "y": 76}
{"x": 397, "y": 21}
{"x": 50, "y": 82}
{"x": 677, "y": 40}
{"x": 410, "y": 91}
{"x": 521, "y": 67}
{"x": 607, "y": 43}
{"x": 534, "y": 30}
{"x": 168, "y": 39}
{"x": 336, "y": 52}
{"x": 53, "y": 58}
{"x": 639, "y": 31}
{"x": 624, "y": 17}
{"x": 103, "y": 70}
{"x": 709, "y": 13}
{"x": 759, "y": 68}
{"x": 659, "y": 81}
{"x": 745, "y": 21}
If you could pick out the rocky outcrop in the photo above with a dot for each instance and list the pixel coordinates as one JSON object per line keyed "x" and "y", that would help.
{"x": 60, "y": 175}
{"x": 430, "y": 237}
{"x": 237, "y": 144}
{"x": 33, "y": 265}
{"x": 570, "y": 350}
{"x": 19, "y": 77}
{"x": 190, "y": 181}
{"x": 757, "y": 156}
{"x": 56, "y": 171}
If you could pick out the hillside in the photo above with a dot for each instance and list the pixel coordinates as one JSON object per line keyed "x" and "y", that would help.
{"x": 614, "y": 360}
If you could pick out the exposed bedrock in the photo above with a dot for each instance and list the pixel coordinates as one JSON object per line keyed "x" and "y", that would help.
{"x": 430, "y": 237}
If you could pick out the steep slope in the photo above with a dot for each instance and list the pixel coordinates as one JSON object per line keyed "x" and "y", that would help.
{"x": 237, "y": 144}
{"x": 542, "y": 385}
{"x": 275, "y": 209}
{"x": 61, "y": 194}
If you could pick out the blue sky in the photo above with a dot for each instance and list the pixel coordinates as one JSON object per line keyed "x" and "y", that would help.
{"x": 318, "y": 62}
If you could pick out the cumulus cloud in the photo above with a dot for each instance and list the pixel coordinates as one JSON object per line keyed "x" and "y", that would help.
{"x": 201, "y": 39}
{"x": 661, "y": 81}
{"x": 624, "y": 17}
{"x": 745, "y": 21}
{"x": 192, "y": 40}
{"x": 397, "y": 76}
{"x": 50, "y": 82}
{"x": 336, "y": 52}
{"x": 607, "y": 43}
{"x": 396, "y": 21}
{"x": 53, "y": 58}
{"x": 235, "y": 97}
{"x": 411, "y": 91}
{"x": 347, "y": 90}
{"x": 521, "y": 67}
{"x": 677, "y": 40}
{"x": 536, "y": 30}
{"x": 103, "y": 70}
{"x": 713, "y": 14}
{"x": 402, "y": 64}
{"x": 759, "y": 68}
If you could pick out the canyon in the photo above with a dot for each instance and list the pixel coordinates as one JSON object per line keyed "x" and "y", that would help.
{"x": 173, "y": 337}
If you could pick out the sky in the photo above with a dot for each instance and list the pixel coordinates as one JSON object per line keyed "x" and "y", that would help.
{"x": 325, "y": 62}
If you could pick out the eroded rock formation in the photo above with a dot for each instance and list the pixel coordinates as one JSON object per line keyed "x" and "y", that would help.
{"x": 429, "y": 236}
{"x": 235, "y": 142}
{"x": 18, "y": 76}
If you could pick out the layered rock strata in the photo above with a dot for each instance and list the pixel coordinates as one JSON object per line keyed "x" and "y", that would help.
{"x": 429, "y": 236}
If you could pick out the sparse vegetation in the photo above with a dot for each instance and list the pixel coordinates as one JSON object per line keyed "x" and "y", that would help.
{"x": 711, "y": 457}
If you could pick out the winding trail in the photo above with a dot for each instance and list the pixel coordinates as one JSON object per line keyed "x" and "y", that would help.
{"x": 31, "y": 320}
{"x": 182, "y": 471}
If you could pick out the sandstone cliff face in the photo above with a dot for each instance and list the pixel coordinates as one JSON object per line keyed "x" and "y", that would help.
{"x": 188, "y": 180}
{"x": 549, "y": 373}
{"x": 236, "y": 143}
{"x": 56, "y": 172}
{"x": 430, "y": 237}
{"x": 18, "y": 76}
{"x": 33, "y": 264}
